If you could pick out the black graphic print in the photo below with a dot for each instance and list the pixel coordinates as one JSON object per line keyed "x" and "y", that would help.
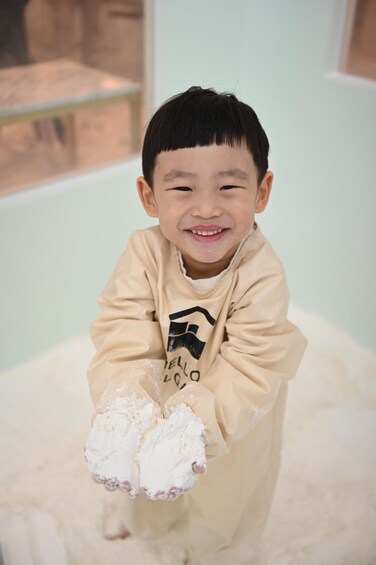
{"x": 183, "y": 333}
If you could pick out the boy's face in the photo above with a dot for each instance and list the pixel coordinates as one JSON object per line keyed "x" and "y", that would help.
{"x": 205, "y": 199}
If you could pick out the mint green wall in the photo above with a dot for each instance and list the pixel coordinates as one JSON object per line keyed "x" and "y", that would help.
{"x": 58, "y": 244}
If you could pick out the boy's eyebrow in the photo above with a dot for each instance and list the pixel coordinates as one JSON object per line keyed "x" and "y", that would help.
{"x": 236, "y": 173}
{"x": 175, "y": 174}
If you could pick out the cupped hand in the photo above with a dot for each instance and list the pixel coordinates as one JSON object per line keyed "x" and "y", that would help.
{"x": 114, "y": 440}
{"x": 172, "y": 455}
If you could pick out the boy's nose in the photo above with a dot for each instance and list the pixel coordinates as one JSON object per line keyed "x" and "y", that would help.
{"x": 206, "y": 207}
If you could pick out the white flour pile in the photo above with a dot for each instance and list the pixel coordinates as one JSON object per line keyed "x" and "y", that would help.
{"x": 132, "y": 447}
{"x": 324, "y": 509}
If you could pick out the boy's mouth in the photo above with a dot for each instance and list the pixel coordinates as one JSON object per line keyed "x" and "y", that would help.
{"x": 207, "y": 234}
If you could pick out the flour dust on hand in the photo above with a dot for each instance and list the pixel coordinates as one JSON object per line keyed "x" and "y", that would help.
{"x": 133, "y": 448}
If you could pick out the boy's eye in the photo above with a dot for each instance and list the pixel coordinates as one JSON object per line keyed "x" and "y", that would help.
{"x": 228, "y": 186}
{"x": 182, "y": 188}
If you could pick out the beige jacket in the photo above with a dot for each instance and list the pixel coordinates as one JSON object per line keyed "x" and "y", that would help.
{"x": 228, "y": 354}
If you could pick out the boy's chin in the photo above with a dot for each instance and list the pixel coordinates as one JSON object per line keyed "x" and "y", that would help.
{"x": 198, "y": 267}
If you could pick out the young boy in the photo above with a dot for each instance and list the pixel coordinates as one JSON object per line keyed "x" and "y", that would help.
{"x": 194, "y": 350}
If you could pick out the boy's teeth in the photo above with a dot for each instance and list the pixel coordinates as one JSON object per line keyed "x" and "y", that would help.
{"x": 200, "y": 232}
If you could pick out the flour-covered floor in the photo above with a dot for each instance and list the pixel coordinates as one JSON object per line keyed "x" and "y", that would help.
{"x": 324, "y": 510}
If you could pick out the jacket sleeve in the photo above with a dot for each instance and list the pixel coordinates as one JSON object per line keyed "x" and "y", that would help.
{"x": 261, "y": 349}
{"x": 127, "y": 336}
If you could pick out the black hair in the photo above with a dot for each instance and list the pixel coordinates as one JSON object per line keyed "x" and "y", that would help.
{"x": 202, "y": 117}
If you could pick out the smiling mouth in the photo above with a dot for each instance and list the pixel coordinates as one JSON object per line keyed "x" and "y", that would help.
{"x": 207, "y": 233}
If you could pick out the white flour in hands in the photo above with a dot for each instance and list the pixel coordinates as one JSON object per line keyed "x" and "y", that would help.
{"x": 114, "y": 441}
{"x": 168, "y": 453}
{"x": 131, "y": 447}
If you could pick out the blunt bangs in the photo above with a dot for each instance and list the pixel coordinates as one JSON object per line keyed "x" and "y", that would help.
{"x": 202, "y": 117}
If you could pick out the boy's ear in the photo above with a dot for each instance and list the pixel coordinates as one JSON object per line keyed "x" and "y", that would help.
{"x": 263, "y": 192}
{"x": 147, "y": 197}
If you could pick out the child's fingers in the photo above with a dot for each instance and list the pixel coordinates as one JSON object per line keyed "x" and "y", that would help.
{"x": 172, "y": 494}
{"x": 111, "y": 484}
{"x": 98, "y": 479}
{"x": 125, "y": 486}
{"x": 175, "y": 490}
{"x": 198, "y": 469}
